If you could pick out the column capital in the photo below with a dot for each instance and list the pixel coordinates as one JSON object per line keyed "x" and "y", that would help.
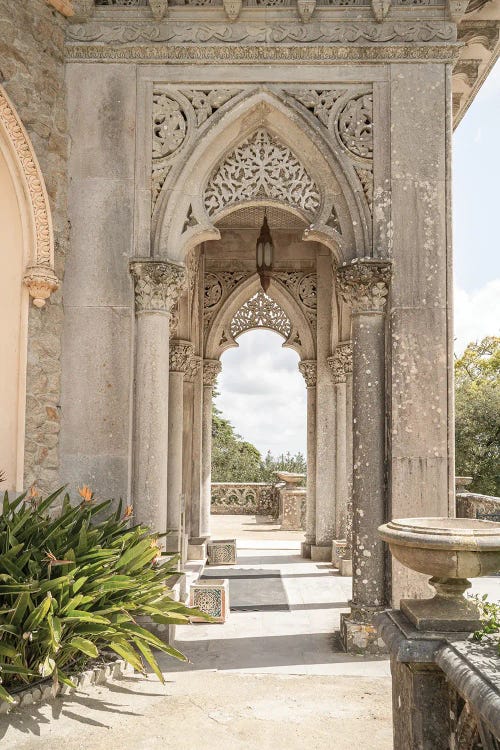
{"x": 340, "y": 362}
{"x": 364, "y": 284}
{"x": 157, "y": 283}
{"x": 180, "y": 353}
{"x": 211, "y": 370}
{"x": 308, "y": 369}
{"x": 193, "y": 368}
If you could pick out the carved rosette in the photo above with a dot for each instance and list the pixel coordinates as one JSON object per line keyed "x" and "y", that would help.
{"x": 180, "y": 354}
{"x": 308, "y": 370}
{"x": 341, "y": 362}
{"x": 364, "y": 284}
{"x": 193, "y": 368}
{"x": 211, "y": 370}
{"x": 158, "y": 285}
{"x": 39, "y": 277}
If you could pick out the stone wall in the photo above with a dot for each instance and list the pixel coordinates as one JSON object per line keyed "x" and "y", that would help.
{"x": 32, "y": 72}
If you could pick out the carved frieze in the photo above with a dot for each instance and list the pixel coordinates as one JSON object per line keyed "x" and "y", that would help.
{"x": 261, "y": 311}
{"x": 261, "y": 167}
{"x": 309, "y": 371}
{"x": 364, "y": 284}
{"x": 180, "y": 354}
{"x": 211, "y": 371}
{"x": 157, "y": 285}
{"x": 340, "y": 362}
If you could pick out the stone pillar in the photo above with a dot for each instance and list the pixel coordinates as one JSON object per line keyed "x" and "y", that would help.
{"x": 341, "y": 363}
{"x": 308, "y": 370}
{"x": 364, "y": 284}
{"x": 180, "y": 356}
{"x": 191, "y": 456}
{"x": 157, "y": 287}
{"x": 211, "y": 369}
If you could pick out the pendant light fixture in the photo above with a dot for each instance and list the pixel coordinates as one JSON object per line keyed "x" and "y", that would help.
{"x": 265, "y": 252}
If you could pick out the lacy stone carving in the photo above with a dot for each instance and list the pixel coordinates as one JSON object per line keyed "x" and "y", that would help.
{"x": 341, "y": 362}
{"x": 303, "y": 287}
{"x": 261, "y": 311}
{"x": 158, "y": 285}
{"x": 318, "y": 101}
{"x": 366, "y": 179}
{"x": 206, "y": 101}
{"x": 261, "y": 167}
{"x": 39, "y": 277}
{"x": 308, "y": 370}
{"x": 193, "y": 368}
{"x": 211, "y": 371}
{"x": 180, "y": 354}
{"x": 355, "y": 126}
{"x": 254, "y": 499}
{"x": 218, "y": 286}
{"x": 169, "y": 133}
{"x": 364, "y": 284}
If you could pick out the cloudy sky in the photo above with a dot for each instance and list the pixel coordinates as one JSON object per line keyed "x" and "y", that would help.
{"x": 261, "y": 390}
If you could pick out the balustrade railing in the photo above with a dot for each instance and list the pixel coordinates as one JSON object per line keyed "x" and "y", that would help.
{"x": 251, "y": 498}
{"x": 474, "y": 505}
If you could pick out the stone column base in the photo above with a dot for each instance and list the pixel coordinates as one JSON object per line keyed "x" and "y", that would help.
{"x": 197, "y": 548}
{"x": 359, "y": 635}
{"x": 173, "y": 543}
{"x": 339, "y": 548}
{"x": 321, "y": 552}
{"x": 345, "y": 567}
{"x": 305, "y": 550}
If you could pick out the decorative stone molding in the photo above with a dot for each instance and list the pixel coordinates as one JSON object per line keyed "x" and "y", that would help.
{"x": 305, "y": 9}
{"x": 158, "y": 9}
{"x": 206, "y": 102}
{"x": 309, "y": 371}
{"x": 180, "y": 354}
{"x": 249, "y": 172}
{"x": 193, "y": 368}
{"x": 82, "y": 10}
{"x": 380, "y": 9}
{"x": 364, "y": 284}
{"x": 320, "y": 102}
{"x": 366, "y": 180}
{"x": 39, "y": 277}
{"x": 341, "y": 362}
{"x": 355, "y": 126}
{"x": 303, "y": 288}
{"x": 232, "y": 8}
{"x": 158, "y": 284}
{"x": 211, "y": 371}
{"x": 261, "y": 311}
{"x": 237, "y": 498}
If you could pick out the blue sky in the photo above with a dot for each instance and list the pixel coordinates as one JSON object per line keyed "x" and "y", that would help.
{"x": 262, "y": 392}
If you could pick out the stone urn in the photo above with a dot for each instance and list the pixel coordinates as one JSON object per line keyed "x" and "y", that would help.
{"x": 450, "y": 550}
{"x": 291, "y": 479}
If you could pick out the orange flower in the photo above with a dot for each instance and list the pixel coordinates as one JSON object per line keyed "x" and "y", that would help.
{"x": 86, "y": 493}
{"x": 33, "y": 492}
{"x": 128, "y": 512}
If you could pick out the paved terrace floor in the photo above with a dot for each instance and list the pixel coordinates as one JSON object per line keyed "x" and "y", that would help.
{"x": 262, "y": 680}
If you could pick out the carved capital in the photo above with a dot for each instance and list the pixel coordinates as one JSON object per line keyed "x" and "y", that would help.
{"x": 158, "y": 8}
{"x": 193, "y": 368}
{"x": 180, "y": 354}
{"x": 309, "y": 372}
{"x": 211, "y": 370}
{"x": 158, "y": 284}
{"x": 41, "y": 282}
{"x": 364, "y": 284}
{"x": 341, "y": 362}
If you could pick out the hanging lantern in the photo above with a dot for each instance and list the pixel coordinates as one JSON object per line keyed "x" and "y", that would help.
{"x": 265, "y": 251}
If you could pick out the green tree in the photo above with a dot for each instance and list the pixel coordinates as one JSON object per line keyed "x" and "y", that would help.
{"x": 477, "y": 415}
{"x": 285, "y": 462}
{"x": 233, "y": 459}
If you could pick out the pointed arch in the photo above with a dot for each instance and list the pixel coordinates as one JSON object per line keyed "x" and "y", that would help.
{"x": 182, "y": 195}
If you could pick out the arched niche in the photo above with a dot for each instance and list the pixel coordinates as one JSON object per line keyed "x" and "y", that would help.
{"x": 182, "y": 221}
{"x": 218, "y": 337}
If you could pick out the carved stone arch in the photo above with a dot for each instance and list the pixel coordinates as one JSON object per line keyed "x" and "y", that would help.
{"x": 38, "y": 239}
{"x": 218, "y": 336}
{"x": 174, "y": 236}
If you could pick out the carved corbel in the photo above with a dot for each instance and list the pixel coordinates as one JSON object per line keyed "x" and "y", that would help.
{"x": 232, "y": 8}
{"x": 456, "y": 9}
{"x": 82, "y": 10}
{"x": 158, "y": 9}
{"x": 380, "y": 9}
{"x": 41, "y": 282}
{"x": 305, "y": 9}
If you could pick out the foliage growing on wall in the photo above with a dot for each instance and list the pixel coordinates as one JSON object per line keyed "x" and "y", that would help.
{"x": 477, "y": 415}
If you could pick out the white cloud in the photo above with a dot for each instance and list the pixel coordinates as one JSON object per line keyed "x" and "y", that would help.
{"x": 477, "y": 314}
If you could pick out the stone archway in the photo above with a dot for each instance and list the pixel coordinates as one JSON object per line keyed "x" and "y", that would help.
{"x": 26, "y": 261}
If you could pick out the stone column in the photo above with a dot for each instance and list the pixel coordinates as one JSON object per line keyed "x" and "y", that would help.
{"x": 364, "y": 284}
{"x": 340, "y": 363}
{"x": 211, "y": 369}
{"x": 180, "y": 356}
{"x": 191, "y": 456}
{"x": 308, "y": 370}
{"x": 157, "y": 287}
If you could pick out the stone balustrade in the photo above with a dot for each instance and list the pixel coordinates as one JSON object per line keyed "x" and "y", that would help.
{"x": 251, "y": 498}
{"x": 473, "y": 505}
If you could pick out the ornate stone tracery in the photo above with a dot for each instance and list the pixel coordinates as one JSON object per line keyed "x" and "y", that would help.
{"x": 355, "y": 126}
{"x": 261, "y": 167}
{"x": 341, "y": 362}
{"x": 207, "y": 101}
{"x": 180, "y": 354}
{"x": 39, "y": 277}
{"x": 320, "y": 102}
{"x": 364, "y": 284}
{"x": 303, "y": 288}
{"x": 157, "y": 285}
{"x": 217, "y": 288}
{"x": 261, "y": 311}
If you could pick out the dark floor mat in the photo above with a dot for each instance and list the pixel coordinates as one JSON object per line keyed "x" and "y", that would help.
{"x": 252, "y": 590}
